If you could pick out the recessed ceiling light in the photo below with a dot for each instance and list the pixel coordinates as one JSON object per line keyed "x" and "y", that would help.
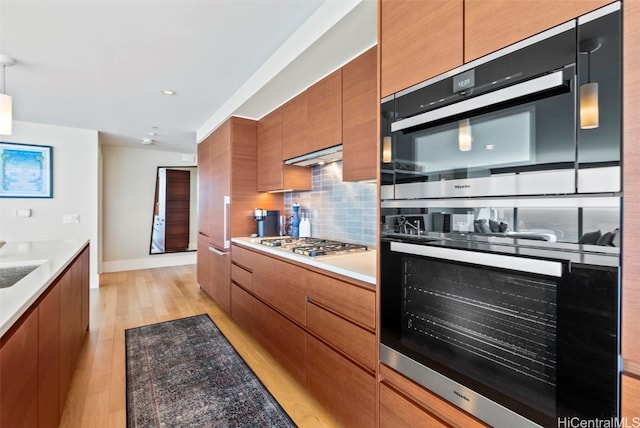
{"x": 168, "y": 92}
{"x": 146, "y": 141}
{"x": 489, "y": 147}
{"x": 151, "y": 134}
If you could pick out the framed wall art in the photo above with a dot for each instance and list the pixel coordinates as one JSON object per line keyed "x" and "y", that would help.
{"x": 26, "y": 171}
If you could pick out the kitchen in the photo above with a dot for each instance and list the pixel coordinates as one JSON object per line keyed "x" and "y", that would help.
{"x": 626, "y": 147}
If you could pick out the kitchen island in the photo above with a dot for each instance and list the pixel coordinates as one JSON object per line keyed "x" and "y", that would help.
{"x": 44, "y": 318}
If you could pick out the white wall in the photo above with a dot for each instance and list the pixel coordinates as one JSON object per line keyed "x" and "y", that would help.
{"x": 129, "y": 180}
{"x": 76, "y": 158}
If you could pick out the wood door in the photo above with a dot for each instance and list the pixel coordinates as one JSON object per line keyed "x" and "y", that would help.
{"x": 220, "y": 185}
{"x": 419, "y": 39}
{"x": 360, "y": 109}
{"x": 294, "y": 127}
{"x": 177, "y": 210}
{"x": 270, "y": 152}
{"x": 324, "y": 113}
{"x": 493, "y": 24}
{"x": 49, "y": 358}
{"x": 19, "y": 373}
{"x": 204, "y": 186}
{"x": 631, "y": 181}
{"x": 342, "y": 387}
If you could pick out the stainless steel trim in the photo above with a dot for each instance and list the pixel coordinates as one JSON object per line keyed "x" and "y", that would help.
{"x": 545, "y": 202}
{"x": 225, "y": 208}
{"x": 532, "y": 86}
{"x": 387, "y": 98}
{"x": 490, "y": 57}
{"x": 478, "y": 405}
{"x": 522, "y": 264}
{"x": 218, "y": 252}
{"x": 598, "y": 13}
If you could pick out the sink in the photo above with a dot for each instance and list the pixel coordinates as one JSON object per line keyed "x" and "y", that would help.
{"x": 12, "y": 273}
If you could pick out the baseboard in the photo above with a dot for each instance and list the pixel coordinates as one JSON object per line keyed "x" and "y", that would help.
{"x": 150, "y": 263}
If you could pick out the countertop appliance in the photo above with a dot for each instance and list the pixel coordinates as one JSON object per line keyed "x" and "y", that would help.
{"x": 500, "y": 230}
{"x": 268, "y": 222}
{"x": 509, "y": 123}
{"x": 313, "y": 247}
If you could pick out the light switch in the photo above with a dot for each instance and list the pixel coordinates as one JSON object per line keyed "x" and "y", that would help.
{"x": 71, "y": 218}
{"x": 23, "y": 212}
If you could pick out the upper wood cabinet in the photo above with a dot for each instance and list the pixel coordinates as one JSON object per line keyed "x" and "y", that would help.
{"x": 294, "y": 127}
{"x": 273, "y": 175}
{"x": 324, "y": 113}
{"x": 418, "y": 40}
{"x": 494, "y": 24}
{"x": 359, "y": 118}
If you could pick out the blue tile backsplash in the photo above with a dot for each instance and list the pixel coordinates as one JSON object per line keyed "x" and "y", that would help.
{"x": 343, "y": 211}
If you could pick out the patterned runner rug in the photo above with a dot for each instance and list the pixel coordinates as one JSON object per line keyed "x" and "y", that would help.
{"x": 184, "y": 373}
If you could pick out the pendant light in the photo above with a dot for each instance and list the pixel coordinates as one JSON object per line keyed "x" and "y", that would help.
{"x": 6, "y": 116}
{"x": 589, "y": 102}
{"x": 464, "y": 135}
{"x": 386, "y": 149}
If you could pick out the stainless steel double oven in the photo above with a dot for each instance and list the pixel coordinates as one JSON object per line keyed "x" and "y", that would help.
{"x": 500, "y": 239}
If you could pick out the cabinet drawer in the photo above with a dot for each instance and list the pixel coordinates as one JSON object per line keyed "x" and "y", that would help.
{"x": 630, "y": 397}
{"x": 431, "y": 403}
{"x": 242, "y": 257}
{"x": 397, "y": 411}
{"x": 242, "y": 307}
{"x": 358, "y": 343}
{"x": 350, "y": 301}
{"x": 242, "y": 277}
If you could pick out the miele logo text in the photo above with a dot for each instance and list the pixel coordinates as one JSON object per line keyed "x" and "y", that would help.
{"x": 460, "y": 395}
{"x": 462, "y": 186}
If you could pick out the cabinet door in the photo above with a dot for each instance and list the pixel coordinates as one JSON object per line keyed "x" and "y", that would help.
{"x": 49, "y": 358}
{"x": 359, "y": 118}
{"x": 202, "y": 267}
{"x": 242, "y": 307}
{"x": 294, "y": 126}
{"x": 324, "y": 112}
{"x": 630, "y": 407}
{"x": 346, "y": 390}
{"x": 19, "y": 374}
{"x": 220, "y": 185}
{"x": 70, "y": 339}
{"x": 418, "y": 39}
{"x": 204, "y": 185}
{"x": 220, "y": 279}
{"x": 269, "y": 152}
{"x": 84, "y": 263}
{"x": 494, "y": 24}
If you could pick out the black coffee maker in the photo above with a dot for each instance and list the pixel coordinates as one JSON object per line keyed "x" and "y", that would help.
{"x": 267, "y": 221}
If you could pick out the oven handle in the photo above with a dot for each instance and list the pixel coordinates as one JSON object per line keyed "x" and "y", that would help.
{"x": 529, "y": 87}
{"x": 522, "y": 264}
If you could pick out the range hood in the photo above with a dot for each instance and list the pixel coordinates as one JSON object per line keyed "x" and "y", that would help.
{"x": 320, "y": 157}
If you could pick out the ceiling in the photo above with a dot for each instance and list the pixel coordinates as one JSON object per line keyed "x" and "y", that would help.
{"x": 102, "y": 64}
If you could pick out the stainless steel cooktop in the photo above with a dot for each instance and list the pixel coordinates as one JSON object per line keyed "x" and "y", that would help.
{"x": 313, "y": 247}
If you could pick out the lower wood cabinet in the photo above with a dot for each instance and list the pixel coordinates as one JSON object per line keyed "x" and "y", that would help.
{"x": 405, "y": 403}
{"x": 348, "y": 391}
{"x": 630, "y": 409}
{"x": 39, "y": 353}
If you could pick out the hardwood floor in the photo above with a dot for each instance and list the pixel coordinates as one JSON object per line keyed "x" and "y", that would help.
{"x": 135, "y": 298}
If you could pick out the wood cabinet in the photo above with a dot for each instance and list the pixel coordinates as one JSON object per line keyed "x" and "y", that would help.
{"x": 630, "y": 396}
{"x": 204, "y": 184}
{"x": 19, "y": 373}
{"x": 360, "y": 109}
{"x": 324, "y": 113}
{"x": 39, "y": 353}
{"x": 231, "y": 196}
{"x": 490, "y": 25}
{"x": 405, "y": 403}
{"x": 273, "y": 175}
{"x": 294, "y": 127}
{"x": 418, "y": 40}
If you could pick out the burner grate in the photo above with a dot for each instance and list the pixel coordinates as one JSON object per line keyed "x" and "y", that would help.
{"x": 313, "y": 247}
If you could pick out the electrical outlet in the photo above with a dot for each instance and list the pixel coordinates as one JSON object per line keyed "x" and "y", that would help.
{"x": 71, "y": 218}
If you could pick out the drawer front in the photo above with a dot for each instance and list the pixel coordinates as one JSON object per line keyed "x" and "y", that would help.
{"x": 242, "y": 257}
{"x": 242, "y": 277}
{"x": 358, "y": 343}
{"x": 242, "y": 307}
{"x": 350, "y": 301}
{"x": 398, "y": 411}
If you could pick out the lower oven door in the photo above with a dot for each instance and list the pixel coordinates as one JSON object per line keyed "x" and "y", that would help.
{"x": 501, "y": 336}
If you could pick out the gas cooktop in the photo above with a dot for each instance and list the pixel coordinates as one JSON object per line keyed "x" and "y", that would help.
{"x": 313, "y": 247}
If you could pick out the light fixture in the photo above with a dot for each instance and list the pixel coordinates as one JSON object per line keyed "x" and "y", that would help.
{"x": 146, "y": 141}
{"x": 589, "y": 103}
{"x": 386, "y": 149}
{"x": 168, "y": 92}
{"x": 151, "y": 134}
{"x": 6, "y": 115}
{"x": 464, "y": 135}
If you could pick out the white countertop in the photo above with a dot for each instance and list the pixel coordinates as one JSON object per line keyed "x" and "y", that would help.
{"x": 361, "y": 266}
{"x": 52, "y": 256}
